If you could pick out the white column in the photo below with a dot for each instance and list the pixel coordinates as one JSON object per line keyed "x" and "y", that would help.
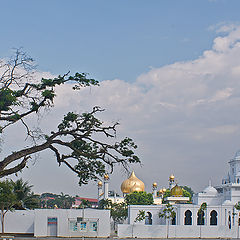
{"x": 106, "y": 183}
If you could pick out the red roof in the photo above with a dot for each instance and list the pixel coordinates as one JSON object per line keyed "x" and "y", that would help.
{"x": 87, "y": 199}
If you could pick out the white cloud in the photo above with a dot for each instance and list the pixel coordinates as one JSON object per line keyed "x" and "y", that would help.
{"x": 184, "y": 116}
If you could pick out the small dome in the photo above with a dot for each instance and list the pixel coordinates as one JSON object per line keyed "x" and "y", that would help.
{"x": 164, "y": 190}
{"x": 160, "y": 191}
{"x": 132, "y": 184}
{"x": 237, "y": 155}
{"x": 210, "y": 190}
{"x": 176, "y": 191}
{"x": 227, "y": 202}
{"x": 154, "y": 185}
{"x": 171, "y": 178}
{"x": 100, "y": 184}
{"x": 106, "y": 176}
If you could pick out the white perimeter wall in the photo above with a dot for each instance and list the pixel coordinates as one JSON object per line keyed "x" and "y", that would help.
{"x": 160, "y": 231}
{"x": 62, "y": 215}
{"x": 19, "y": 221}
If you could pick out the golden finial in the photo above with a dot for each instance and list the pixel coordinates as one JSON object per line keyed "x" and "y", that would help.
{"x": 171, "y": 178}
{"x": 154, "y": 185}
{"x": 106, "y": 176}
{"x": 100, "y": 184}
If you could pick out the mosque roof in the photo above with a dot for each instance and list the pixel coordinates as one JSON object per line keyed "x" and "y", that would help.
{"x": 132, "y": 184}
{"x": 210, "y": 190}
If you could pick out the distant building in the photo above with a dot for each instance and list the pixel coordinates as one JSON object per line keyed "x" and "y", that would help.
{"x": 92, "y": 201}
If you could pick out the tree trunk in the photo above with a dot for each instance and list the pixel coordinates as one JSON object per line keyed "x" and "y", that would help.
{"x": 2, "y": 220}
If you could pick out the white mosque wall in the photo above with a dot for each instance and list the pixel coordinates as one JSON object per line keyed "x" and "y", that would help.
{"x": 226, "y": 214}
{"x": 160, "y": 231}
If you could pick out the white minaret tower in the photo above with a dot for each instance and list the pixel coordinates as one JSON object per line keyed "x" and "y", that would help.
{"x": 234, "y": 172}
{"x": 106, "y": 183}
{"x": 100, "y": 190}
{"x": 171, "y": 181}
{"x": 154, "y": 189}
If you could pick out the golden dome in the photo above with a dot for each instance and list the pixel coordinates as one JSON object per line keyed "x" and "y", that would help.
{"x": 171, "y": 178}
{"x": 100, "y": 184}
{"x": 154, "y": 185}
{"x": 132, "y": 184}
{"x": 176, "y": 191}
{"x": 164, "y": 190}
{"x": 160, "y": 192}
{"x": 106, "y": 177}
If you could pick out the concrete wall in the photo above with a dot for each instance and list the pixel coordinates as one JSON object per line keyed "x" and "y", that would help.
{"x": 160, "y": 231}
{"x": 63, "y": 216}
{"x": 19, "y": 221}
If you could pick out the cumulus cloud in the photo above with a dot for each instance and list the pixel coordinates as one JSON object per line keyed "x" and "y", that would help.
{"x": 184, "y": 116}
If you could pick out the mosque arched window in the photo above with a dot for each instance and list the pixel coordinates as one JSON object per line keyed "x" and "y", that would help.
{"x": 148, "y": 219}
{"x": 213, "y": 217}
{"x": 188, "y": 218}
{"x": 174, "y": 220}
{"x": 200, "y": 218}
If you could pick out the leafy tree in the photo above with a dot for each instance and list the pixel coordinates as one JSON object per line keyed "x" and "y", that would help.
{"x": 189, "y": 190}
{"x": 50, "y": 200}
{"x": 169, "y": 214}
{"x": 104, "y": 204}
{"x": 119, "y": 212}
{"x": 201, "y": 213}
{"x": 140, "y": 216}
{"x": 139, "y": 198}
{"x": 25, "y": 197}
{"x": 85, "y": 204}
{"x": 7, "y": 199}
{"x": 75, "y": 140}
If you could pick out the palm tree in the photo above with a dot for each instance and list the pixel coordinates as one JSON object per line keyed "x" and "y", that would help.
{"x": 24, "y": 195}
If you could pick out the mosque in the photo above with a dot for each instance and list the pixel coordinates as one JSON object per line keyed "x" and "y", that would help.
{"x": 220, "y": 218}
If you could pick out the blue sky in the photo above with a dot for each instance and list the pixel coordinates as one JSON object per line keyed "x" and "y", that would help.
{"x": 169, "y": 72}
{"x": 111, "y": 39}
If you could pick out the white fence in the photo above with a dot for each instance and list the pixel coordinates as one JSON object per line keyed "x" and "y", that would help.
{"x": 161, "y": 231}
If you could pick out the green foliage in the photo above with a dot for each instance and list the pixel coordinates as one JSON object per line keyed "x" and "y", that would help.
{"x": 189, "y": 190}
{"x": 7, "y": 99}
{"x": 104, "y": 204}
{"x": 139, "y": 198}
{"x": 84, "y": 204}
{"x": 119, "y": 212}
{"x": 168, "y": 212}
{"x": 80, "y": 141}
{"x": 8, "y": 197}
{"x": 50, "y": 200}
{"x": 202, "y": 208}
{"x": 166, "y": 195}
{"x": 25, "y": 198}
{"x": 237, "y": 206}
{"x": 140, "y": 216}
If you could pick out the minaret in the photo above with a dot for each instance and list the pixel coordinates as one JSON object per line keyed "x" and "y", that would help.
{"x": 106, "y": 182}
{"x": 171, "y": 181}
{"x": 100, "y": 190}
{"x": 154, "y": 189}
